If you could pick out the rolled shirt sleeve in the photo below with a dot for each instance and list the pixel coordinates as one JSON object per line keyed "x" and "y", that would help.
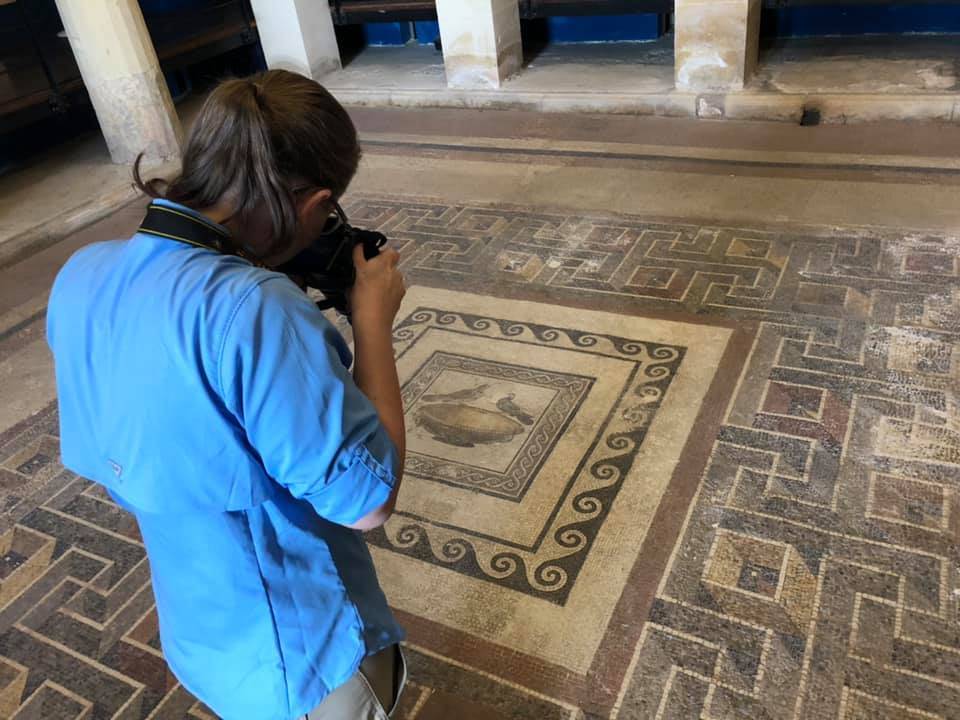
{"x": 283, "y": 371}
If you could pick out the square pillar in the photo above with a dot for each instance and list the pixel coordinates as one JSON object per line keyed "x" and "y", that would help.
{"x": 298, "y": 35}
{"x": 122, "y": 75}
{"x": 481, "y": 41}
{"x": 717, "y": 44}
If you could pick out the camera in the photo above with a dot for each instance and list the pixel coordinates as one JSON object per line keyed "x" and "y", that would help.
{"x": 327, "y": 264}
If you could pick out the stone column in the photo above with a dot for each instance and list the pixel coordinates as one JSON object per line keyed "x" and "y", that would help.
{"x": 298, "y": 35}
{"x": 481, "y": 41}
{"x": 122, "y": 76}
{"x": 717, "y": 43}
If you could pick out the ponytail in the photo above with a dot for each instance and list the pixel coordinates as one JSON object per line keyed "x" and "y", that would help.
{"x": 154, "y": 188}
{"x": 258, "y": 169}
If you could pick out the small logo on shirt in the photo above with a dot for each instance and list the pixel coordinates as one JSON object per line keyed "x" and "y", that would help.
{"x": 116, "y": 467}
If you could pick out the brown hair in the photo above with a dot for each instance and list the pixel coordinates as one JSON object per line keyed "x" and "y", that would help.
{"x": 254, "y": 139}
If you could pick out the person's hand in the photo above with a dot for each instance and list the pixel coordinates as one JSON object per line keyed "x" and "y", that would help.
{"x": 378, "y": 290}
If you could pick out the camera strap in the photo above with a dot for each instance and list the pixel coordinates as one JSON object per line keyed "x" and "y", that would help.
{"x": 174, "y": 224}
{"x": 177, "y": 225}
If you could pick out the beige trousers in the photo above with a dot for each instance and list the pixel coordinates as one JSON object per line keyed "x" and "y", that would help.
{"x": 371, "y": 694}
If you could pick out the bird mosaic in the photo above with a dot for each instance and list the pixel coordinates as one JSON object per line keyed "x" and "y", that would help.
{"x": 506, "y": 405}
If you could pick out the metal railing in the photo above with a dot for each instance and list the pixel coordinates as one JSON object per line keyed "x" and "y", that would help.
{"x": 348, "y": 12}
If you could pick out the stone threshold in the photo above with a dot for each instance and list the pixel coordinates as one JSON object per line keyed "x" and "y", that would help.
{"x": 647, "y": 151}
{"x": 833, "y": 108}
{"x": 388, "y": 133}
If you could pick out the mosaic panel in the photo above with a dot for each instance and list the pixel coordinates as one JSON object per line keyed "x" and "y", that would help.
{"x": 815, "y": 574}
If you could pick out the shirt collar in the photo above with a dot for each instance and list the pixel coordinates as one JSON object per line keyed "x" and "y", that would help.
{"x": 163, "y": 202}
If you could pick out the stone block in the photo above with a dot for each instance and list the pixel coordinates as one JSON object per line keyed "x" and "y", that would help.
{"x": 481, "y": 41}
{"x": 122, "y": 75}
{"x": 717, "y": 43}
{"x": 297, "y": 35}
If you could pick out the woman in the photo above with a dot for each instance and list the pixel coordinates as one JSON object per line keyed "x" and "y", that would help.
{"x": 212, "y": 399}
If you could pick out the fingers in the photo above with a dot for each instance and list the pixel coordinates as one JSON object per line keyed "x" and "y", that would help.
{"x": 390, "y": 256}
{"x": 359, "y": 259}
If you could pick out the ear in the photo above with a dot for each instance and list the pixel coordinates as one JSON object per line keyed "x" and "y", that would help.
{"x": 314, "y": 202}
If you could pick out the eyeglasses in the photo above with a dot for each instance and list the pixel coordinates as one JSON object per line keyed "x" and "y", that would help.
{"x": 337, "y": 219}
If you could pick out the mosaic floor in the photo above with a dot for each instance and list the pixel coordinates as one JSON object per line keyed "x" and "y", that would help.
{"x": 657, "y": 470}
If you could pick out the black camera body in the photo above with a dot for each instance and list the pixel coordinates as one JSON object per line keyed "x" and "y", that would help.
{"x": 327, "y": 265}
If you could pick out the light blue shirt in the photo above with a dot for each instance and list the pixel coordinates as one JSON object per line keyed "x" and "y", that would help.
{"x": 213, "y": 400}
